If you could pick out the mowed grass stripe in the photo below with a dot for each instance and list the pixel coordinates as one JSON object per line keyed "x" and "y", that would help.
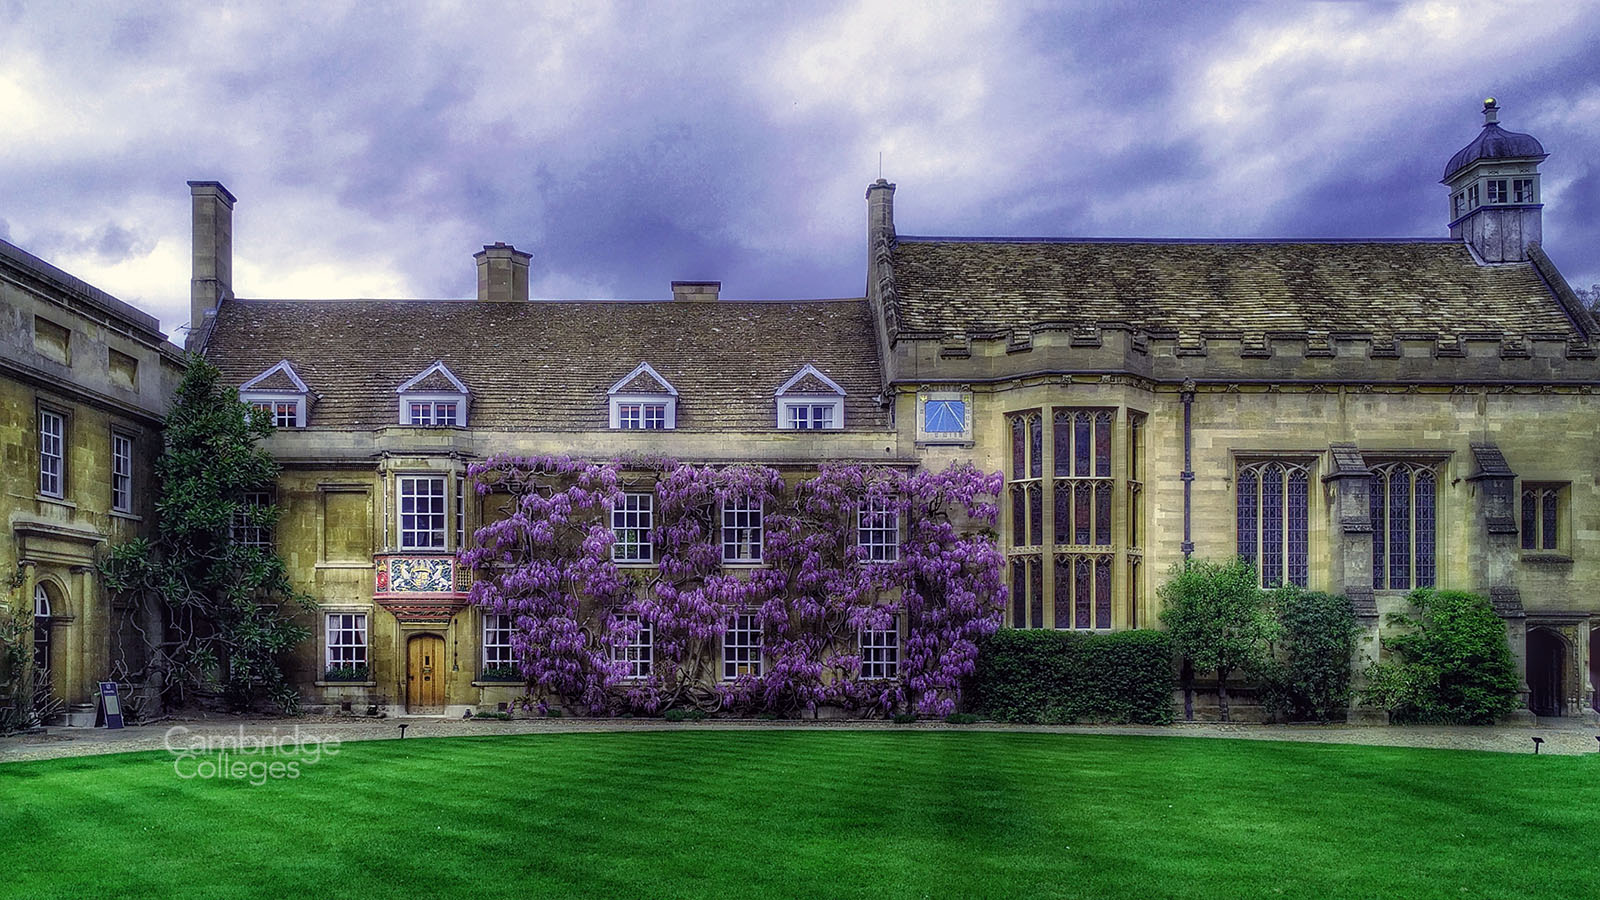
{"x": 823, "y": 814}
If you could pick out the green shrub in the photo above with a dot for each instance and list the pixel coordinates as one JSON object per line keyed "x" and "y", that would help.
{"x": 1217, "y": 616}
{"x": 1454, "y": 665}
{"x": 346, "y": 673}
{"x": 904, "y": 718}
{"x": 498, "y": 715}
{"x": 1025, "y": 675}
{"x": 1308, "y": 679}
{"x": 960, "y": 719}
{"x": 678, "y": 714}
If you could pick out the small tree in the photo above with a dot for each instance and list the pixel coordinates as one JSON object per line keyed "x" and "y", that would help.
{"x": 226, "y": 606}
{"x": 1218, "y": 619}
{"x": 1454, "y": 664}
{"x": 1308, "y": 679}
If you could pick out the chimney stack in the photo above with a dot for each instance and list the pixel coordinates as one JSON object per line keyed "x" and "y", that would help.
{"x": 212, "y": 279}
{"x": 696, "y": 291}
{"x": 880, "y": 211}
{"x": 502, "y": 273}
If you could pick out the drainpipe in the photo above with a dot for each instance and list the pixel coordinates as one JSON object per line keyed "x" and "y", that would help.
{"x": 1187, "y": 396}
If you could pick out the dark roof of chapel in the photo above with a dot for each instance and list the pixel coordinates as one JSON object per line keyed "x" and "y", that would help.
{"x": 545, "y": 365}
{"x": 1494, "y": 142}
{"x": 1384, "y": 287}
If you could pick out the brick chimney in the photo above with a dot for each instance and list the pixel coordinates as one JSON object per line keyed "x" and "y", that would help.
{"x": 212, "y": 279}
{"x": 502, "y": 273}
{"x": 696, "y": 291}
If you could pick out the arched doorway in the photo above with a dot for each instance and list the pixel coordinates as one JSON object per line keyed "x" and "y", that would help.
{"x": 1547, "y": 657}
{"x": 425, "y": 675}
{"x": 43, "y": 686}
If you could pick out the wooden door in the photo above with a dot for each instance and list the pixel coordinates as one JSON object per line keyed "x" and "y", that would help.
{"x": 425, "y": 675}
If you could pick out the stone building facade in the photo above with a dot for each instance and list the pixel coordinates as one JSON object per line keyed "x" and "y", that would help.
{"x": 85, "y": 381}
{"x": 1356, "y": 416}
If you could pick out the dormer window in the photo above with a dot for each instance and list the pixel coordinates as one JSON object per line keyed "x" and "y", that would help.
{"x": 643, "y": 401}
{"x": 810, "y": 401}
{"x": 434, "y": 398}
{"x": 279, "y": 395}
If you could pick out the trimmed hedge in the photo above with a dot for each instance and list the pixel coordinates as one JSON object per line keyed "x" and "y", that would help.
{"x": 1058, "y": 677}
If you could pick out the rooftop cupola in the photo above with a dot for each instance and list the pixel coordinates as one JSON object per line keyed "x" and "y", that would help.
{"x": 1494, "y": 191}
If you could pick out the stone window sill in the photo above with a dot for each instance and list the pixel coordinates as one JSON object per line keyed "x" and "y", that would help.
{"x": 131, "y": 517}
{"x": 1558, "y": 559}
{"x": 55, "y": 501}
{"x": 346, "y": 684}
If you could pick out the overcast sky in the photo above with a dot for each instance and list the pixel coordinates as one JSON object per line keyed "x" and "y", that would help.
{"x": 374, "y": 149}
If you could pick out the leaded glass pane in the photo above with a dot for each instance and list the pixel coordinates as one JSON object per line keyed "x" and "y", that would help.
{"x": 1035, "y": 446}
{"x": 1530, "y": 520}
{"x": 1081, "y": 501}
{"x": 1249, "y": 511}
{"x": 1063, "y": 444}
{"x": 1019, "y": 515}
{"x": 1299, "y": 526}
{"x": 1036, "y": 591}
{"x": 1063, "y": 512}
{"x": 1081, "y": 590}
{"x": 1063, "y": 592}
{"x": 1377, "y": 493}
{"x": 1019, "y": 594}
{"x": 1272, "y": 525}
{"x": 1035, "y": 514}
{"x": 1080, "y": 445}
{"x": 1550, "y": 523}
{"x": 1425, "y": 529}
{"x": 1400, "y": 529}
{"x": 1102, "y": 592}
{"x": 1019, "y": 462}
{"x": 1102, "y": 514}
{"x": 1102, "y": 445}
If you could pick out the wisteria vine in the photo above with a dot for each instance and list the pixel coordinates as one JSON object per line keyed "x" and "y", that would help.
{"x": 547, "y": 563}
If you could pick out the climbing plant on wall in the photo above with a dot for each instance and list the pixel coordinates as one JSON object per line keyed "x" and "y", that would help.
{"x": 547, "y": 563}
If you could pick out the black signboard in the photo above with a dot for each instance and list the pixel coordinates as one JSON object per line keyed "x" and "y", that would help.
{"x": 107, "y": 707}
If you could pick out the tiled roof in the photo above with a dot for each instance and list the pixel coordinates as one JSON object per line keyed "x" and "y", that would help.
{"x": 437, "y": 382}
{"x": 962, "y": 286}
{"x": 546, "y": 366}
{"x": 643, "y": 383}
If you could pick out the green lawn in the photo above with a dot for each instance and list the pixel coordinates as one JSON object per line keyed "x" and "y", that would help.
{"x": 816, "y": 814}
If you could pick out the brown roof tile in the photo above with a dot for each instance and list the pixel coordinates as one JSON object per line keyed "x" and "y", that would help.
{"x": 945, "y": 286}
{"x": 546, "y": 366}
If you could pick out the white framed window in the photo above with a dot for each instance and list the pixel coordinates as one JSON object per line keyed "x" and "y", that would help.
{"x": 810, "y": 401}
{"x": 497, "y": 658}
{"x": 121, "y": 472}
{"x": 880, "y": 653}
{"x": 741, "y": 646}
{"x": 811, "y": 415}
{"x": 246, "y": 530}
{"x": 432, "y": 413}
{"x": 741, "y": 530}
{"x": 278, "y": 394}
{"x": 282, "y": 413}
{"x": 639, "y": 648}
{"x": 632, "y": 517}
{"x": 433, "y": 398}
{"x": 52, "y": 453}
{"x": 347, "y": 640}
{"x": 878, "y": 531}
{"x": 1498, "y": 192}
{"x": 1522, "y": 190}
{"x": 643, "y": 401}
{"x": 461, "y": 511}
{"x": 422, "y": 512}
{"x": 642, "y": 416}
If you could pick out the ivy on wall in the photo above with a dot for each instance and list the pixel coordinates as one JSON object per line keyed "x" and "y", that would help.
{"x": 548, "y": 565}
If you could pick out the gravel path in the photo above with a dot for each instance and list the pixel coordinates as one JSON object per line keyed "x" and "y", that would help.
{"x": 1562, "y": 736}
